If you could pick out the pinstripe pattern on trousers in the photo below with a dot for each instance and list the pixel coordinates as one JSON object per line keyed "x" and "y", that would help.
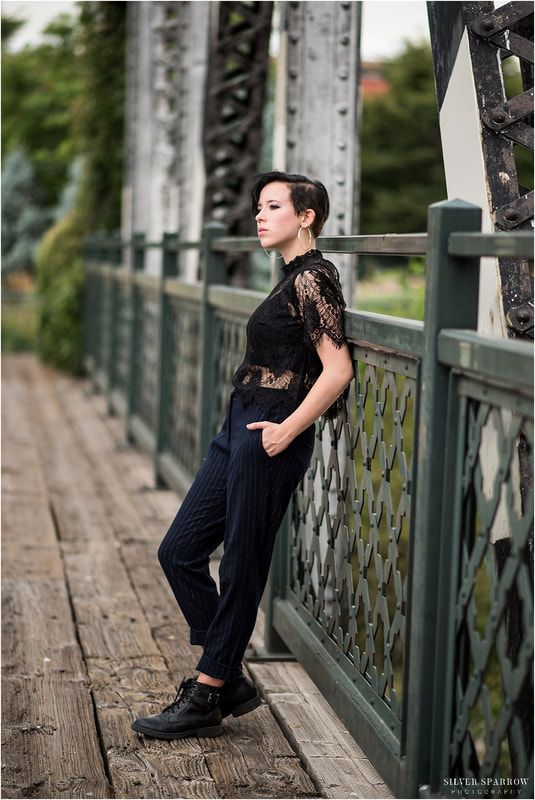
{"x": 239, "y": 496}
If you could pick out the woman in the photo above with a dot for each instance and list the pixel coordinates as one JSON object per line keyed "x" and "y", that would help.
{"x": 296, "y": 366}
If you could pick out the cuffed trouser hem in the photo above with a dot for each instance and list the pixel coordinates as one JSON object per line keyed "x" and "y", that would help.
{"x": 216, "y": 670}
{"x": 196, "y": 637}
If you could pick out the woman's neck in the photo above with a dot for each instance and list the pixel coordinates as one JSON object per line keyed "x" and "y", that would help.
{"x": 294, "y": 250}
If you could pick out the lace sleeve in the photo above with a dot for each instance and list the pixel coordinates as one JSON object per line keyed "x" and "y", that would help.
{"x": 321, "y": 306}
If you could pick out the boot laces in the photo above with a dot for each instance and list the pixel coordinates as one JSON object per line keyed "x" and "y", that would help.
{"x": 186, "y": 690}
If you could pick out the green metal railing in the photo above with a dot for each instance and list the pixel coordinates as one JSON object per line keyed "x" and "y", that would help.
{"x": 402, "y": 576}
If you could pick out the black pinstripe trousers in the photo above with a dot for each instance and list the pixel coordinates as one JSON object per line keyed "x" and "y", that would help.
{"x": 239, "y": 497}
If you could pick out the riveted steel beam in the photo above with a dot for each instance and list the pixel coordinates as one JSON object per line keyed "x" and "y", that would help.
{"x": 322, "y": 111}
{"x": 235, "y": 93}
{"x": 164, "y": 173}
{"x": 466, "y": 38}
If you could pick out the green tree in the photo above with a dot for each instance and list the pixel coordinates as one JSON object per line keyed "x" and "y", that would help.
{"x": 10, "y": 26}
{"x": 97, "y": 129}
{"x": 60, "y": 293}
{"x": 402, "y": 168}
{"x": 24, "y": 220}
{"x": 99, "y": 118}
{"x": 40, "y": 89}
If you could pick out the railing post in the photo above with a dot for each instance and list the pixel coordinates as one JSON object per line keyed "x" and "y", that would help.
{"x": 138, "y": 265}
{"x": 169, "y": 269}
{"x": 452, "y": 286}
{"x": 114, "y": 259}
{"x": 214, "y": 272}
{"x": 88, "y": 306}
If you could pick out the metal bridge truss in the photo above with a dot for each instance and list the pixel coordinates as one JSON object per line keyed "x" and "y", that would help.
{"x": 506, "y": 122}
{"x": 235, "y": 96}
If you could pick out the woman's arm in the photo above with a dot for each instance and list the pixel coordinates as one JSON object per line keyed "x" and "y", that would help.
{"x": 337, "y": 373}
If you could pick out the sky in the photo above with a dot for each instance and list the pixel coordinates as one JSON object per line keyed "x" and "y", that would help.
{"x": 385, "y": 23}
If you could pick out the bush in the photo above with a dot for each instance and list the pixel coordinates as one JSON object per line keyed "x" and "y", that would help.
{"x": 60, "y": 294}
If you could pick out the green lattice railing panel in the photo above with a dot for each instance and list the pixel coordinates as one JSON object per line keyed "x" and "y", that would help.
{"x": 228, "y": 355}
{"x": 350, "y": 531}
{"x": 121, "y": 323}
{"x": 93, "y": 316}
{"x": 181, "y": 381}
{"x": 491, "y": 735}
{"x": 146, "y": 355}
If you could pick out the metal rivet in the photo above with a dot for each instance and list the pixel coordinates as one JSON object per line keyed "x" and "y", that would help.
{"x": 511, "y": 214}
{"x": 498, "y": 115}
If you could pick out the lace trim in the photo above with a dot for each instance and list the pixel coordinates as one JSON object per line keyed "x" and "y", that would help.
{"x": 262, "y": 376}
{"x": 321, "y": 305}
{"x": 298, "y": 261}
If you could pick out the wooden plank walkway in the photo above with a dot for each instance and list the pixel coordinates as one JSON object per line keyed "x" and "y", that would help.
{"x": 92, "y": 636}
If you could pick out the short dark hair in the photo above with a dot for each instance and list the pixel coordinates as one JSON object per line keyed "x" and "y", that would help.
{"x": 304, "y": 193}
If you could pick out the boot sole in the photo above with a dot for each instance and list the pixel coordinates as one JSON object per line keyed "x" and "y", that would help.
{"x": 250, "y": 705}
{"x": 214, "y": 730}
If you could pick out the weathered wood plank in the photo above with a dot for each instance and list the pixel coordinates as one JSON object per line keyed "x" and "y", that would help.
{"x": 51, "y": 746}
{"x": 253, "y": 757}
{"x": 111, "y": 626}
{"x": 134, "y": 639}
{"x": 123, "y": 471}
{"x": 145, "y": 767}
{"x": 243, "y": 769}
{"x": 332, "y": 757}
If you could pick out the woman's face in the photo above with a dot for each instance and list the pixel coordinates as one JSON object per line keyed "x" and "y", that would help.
{"x": 276, "y": 220}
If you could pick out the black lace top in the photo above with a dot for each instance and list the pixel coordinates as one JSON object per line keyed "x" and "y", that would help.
{"x": 281, "y": 362}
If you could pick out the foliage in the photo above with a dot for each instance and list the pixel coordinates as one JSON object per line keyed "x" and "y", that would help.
{"x": 23, "y": 218}
{"x": 40, "y": 88}
{"x": 396, "y": 291}
{"x": 63, "y": 104}
{"x": 10, "y": 26}
{"x": 70, "y": 193}
{"x": 18, "y": 322}
{"x": 60, "y": 293}
{"x": 523, "y": 157}
{"x": 99, "y": 121}
{"x": 402, "y": 169}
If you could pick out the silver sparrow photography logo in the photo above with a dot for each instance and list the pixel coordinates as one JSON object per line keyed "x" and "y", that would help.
{"x": 485, "y": 787}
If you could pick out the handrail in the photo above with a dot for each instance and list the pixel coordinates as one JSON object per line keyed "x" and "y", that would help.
{"x": 111, "y": 241}
{"x": 501, "y": 359}
{"x": 394, "y": 244}
{"x": 389, "y": 244}
{"x": 518, "y": 244}
{"x": 504, "y": 244}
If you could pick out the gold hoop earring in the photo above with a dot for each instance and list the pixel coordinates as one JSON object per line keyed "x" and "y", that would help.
{"x": 310, "y": 237}
{"x": 271, "y": 255}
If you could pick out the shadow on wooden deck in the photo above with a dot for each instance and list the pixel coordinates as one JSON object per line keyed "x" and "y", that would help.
{"x": 92, "y": 636}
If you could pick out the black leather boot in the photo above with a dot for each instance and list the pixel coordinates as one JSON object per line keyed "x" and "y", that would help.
{"x": 239, "y": 697}
{"x": 195, "y": 711}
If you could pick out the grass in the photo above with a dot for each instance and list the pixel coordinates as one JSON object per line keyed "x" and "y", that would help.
{"x": 398, "y": 292}
{"x": 19, "y": 322}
